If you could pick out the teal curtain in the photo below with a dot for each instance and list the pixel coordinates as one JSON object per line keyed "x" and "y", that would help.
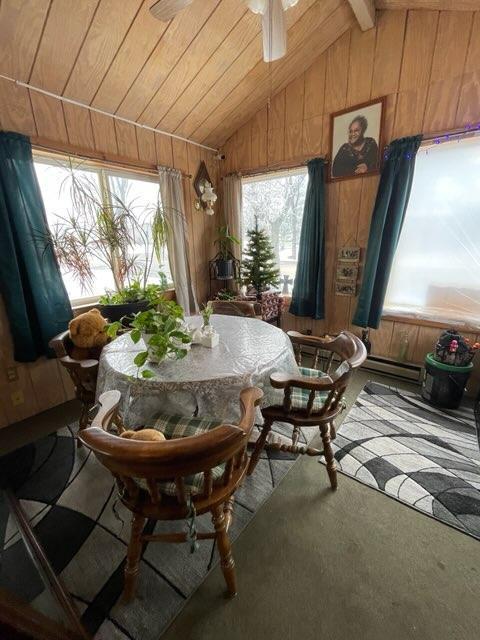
{"x": 35, "y": 297}
{"x": 309, "y": 288}
{"x": 387, "y": 220}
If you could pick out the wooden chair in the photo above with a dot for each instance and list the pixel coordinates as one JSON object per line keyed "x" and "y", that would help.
{"x": 82, "y": 372}
{"x": 315, "y": 398}
{"x": 237, "y": 308}
{"x": 196, "y": 471}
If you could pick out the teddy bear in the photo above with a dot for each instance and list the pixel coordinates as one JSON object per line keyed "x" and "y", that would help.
{"x": 87, "y": 332}
{"x": 147, "y": 435}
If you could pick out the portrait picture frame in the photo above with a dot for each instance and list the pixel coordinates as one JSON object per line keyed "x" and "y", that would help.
{"x": 348, "y": 161}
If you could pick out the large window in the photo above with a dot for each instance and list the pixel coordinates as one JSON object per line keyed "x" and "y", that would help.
{"x": 74, "y": 195}
{"x": 436, "y": 270}
{"x": 277, "y": 200}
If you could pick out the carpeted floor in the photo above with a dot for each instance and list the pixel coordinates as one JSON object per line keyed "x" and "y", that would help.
{"x": 428, "y": 458}
{"x": 337, "y": 566}
{"x": 71, "y": 502}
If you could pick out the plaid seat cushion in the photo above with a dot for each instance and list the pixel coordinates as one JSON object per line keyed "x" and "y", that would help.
{"x": 181, "y": 427}
{"x": 300, "y": 396}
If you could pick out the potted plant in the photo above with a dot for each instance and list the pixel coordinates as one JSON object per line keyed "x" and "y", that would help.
{"x": 131, "y": 299}
{"x": 448, "y": 369}
{"x": 225, "y": 261}
{"x": 226, "y": 294}
{"x": 104, "y": 226}
{"x": 161, "y": 330}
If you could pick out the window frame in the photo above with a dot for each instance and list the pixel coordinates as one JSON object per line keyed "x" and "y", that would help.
{"x": 423, "y": 317}
{"x": 266, "y": 176}
{"x": 103, "y": 170}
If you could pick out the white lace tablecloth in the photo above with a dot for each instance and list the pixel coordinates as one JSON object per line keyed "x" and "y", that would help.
{"x": 207, "y": 381}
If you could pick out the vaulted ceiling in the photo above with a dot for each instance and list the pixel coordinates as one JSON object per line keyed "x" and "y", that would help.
{"x": 189, "y": 76}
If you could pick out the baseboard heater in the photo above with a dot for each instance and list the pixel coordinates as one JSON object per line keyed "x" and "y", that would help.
{"x": 403, "y": 370}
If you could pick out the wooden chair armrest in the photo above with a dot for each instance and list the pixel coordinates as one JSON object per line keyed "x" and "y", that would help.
{"x": 58, "y": 343}
{"x": 284, "y": 380}
{"x": 249, "y": 399}
{"x": 70, "y": 363}
{"x": 312, "y": 341}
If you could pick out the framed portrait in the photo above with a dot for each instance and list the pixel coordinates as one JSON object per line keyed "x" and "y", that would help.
{"x": 356, "y": 140}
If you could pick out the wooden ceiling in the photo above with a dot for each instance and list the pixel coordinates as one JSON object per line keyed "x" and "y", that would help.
{"x": 193, "y": 76}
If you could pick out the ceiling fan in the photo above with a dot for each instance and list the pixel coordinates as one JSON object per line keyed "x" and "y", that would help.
{"x": 274, "y": 29}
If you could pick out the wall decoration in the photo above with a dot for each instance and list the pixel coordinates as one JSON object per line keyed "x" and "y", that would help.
{"x": 349, "y": 254}
{"x": 345, "y": 288}
{"x": 356, "y": 140}
{"x": 204, "y": 190}
{"x": 347, "y": 271}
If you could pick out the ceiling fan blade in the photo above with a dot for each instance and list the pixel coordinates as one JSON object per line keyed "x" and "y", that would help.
{"x": 165, "y": 10}
{"x": 274, "y": 31}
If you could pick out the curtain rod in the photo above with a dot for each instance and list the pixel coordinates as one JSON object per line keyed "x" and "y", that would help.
{"x": 19, "y": 83}
{"x": 62, "y": 149}
{"x": 467, "y": 129}
{"x": 284, "y": 166}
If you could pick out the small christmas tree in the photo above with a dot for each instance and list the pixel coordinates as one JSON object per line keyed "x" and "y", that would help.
{"x": 259, "y": 266}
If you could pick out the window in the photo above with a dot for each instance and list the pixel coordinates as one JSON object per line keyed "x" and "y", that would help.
{"x": 71, "y": 187}
{"x": 436, "y": 270}
{"x": 277, "y": 201}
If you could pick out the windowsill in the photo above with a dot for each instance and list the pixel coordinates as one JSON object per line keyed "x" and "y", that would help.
{"x": 424, "y": 320}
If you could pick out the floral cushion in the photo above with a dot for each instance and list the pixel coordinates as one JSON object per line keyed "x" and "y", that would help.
{"x": 181, "y": 427}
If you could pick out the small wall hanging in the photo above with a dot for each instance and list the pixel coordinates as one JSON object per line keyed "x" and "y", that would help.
{"x": 206, "y": 196}
{"x": 346, "y": 273}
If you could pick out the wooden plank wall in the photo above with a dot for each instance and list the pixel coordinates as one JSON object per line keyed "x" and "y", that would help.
{"x": 427, "y": 63}
{"x": 43, "y": 383}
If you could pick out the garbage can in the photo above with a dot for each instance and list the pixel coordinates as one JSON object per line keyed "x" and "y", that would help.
{"x": 444, "y": 384}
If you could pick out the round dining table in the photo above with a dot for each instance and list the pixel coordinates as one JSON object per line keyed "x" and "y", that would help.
{"x": 207, "y": 381}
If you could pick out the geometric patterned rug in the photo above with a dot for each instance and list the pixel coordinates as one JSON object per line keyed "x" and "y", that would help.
{"x": 426, "y": 457}
{"x": 71, "y": 504}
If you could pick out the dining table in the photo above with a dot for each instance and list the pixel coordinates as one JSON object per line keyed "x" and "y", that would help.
{"x": 207, "y": 381}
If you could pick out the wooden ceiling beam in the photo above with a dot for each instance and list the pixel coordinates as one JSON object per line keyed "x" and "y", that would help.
{"x": 364, "y": 11}
{"x": 433, "y": 5}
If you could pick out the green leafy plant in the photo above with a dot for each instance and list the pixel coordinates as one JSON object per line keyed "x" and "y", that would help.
{"x": 163, "y": 330}
{"x": 225, "y": 240}
{"x": 225, "y": 294}
{"x": 206, "y": 312}
{"x": 105, "y": 226}
{"x": 135, "y": 292}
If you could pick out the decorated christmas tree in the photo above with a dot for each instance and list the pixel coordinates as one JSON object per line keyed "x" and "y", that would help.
{"x": 259, "y": 266}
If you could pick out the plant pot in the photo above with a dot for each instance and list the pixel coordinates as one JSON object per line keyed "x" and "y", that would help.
{"x": 444, "y": 384}
{"x": 115, "y": 312}
{"x": 152, "y": 356}
{"x": 224, "y": 269}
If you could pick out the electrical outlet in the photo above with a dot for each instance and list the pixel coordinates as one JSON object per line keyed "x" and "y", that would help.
{"x": 12, "y": 374}
{"x": 17, "y": 398}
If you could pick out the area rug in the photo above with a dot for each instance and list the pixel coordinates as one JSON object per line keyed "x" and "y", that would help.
{"x": 71, "y": 503}
{"x": 425, "y": 457}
